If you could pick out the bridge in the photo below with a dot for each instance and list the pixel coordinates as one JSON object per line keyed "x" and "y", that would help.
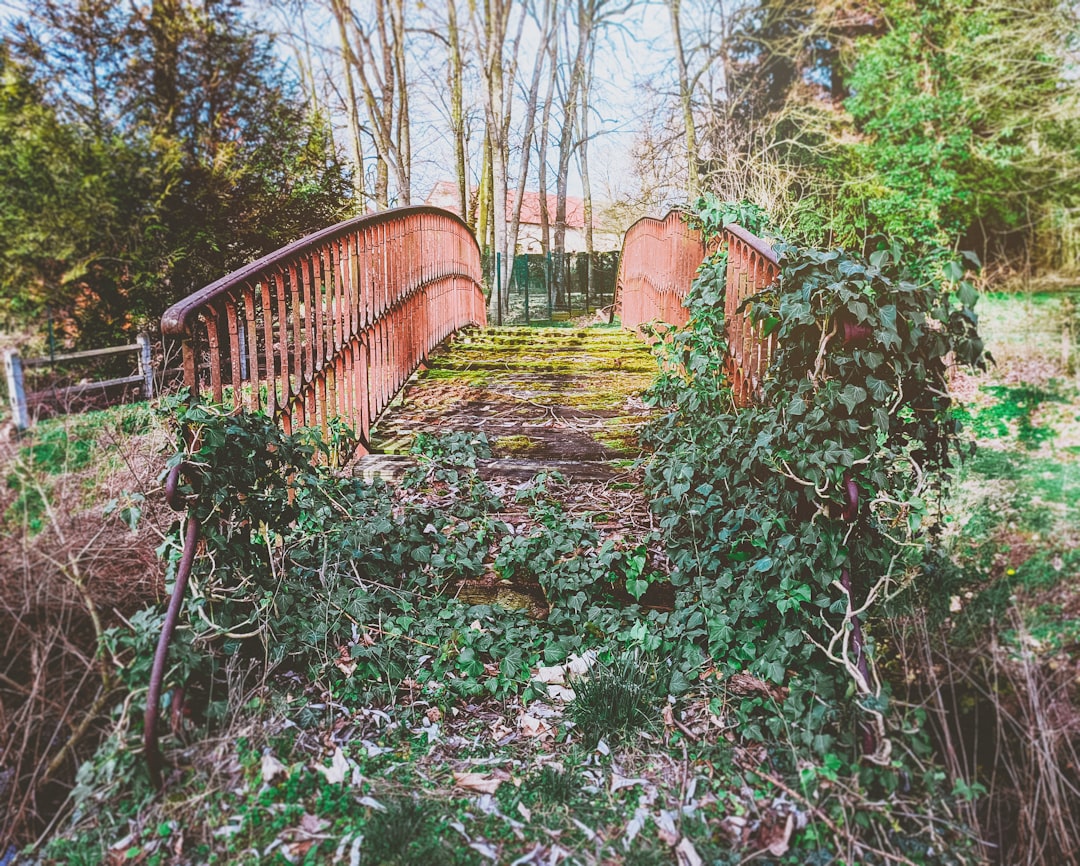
{"x": 380, "y": 322}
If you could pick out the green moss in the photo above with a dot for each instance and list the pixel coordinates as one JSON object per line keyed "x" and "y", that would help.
{"x": 514, "y": 444}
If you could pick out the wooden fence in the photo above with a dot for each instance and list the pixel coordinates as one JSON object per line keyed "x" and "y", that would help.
{"x": 24, "y": 403}
{"x": 334, "y": 324}
{"x": 660, "y": 259}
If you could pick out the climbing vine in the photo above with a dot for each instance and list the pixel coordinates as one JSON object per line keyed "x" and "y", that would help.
{"x": 790, "y": 523}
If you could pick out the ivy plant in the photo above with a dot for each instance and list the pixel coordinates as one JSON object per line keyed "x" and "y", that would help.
{"x": 790, "y": 522}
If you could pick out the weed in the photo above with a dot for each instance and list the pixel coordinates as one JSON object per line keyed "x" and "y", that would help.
{"x": 553, "y": 785}
{"x": 615, "y": 699}
{"x": 405, "y": 834}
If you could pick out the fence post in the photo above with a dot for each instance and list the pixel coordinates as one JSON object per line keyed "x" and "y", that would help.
{"x": 498, "y": 285}
{"x": 146, "y": 369}
{"x": 13, "y": 370}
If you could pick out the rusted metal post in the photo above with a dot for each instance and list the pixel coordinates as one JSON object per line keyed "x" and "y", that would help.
{"x": 151, "y": 749}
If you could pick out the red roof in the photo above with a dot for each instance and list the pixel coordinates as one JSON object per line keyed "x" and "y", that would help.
{"x": 444, "y": 194}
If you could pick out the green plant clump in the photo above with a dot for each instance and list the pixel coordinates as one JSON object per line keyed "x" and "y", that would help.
{"x": 771, "y": 575}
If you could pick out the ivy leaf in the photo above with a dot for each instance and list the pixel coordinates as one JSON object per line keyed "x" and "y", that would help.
{"x": 953, "y": 271}
{"x": 852, "y": 396}
{"x": 878, "y": 388}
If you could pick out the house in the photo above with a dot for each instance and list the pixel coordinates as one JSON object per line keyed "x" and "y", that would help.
{"x": 444, "y": 195}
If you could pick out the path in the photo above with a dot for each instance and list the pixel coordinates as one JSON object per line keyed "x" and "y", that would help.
{"x": 566, "y": 399}
{"x": 548, "y": 400}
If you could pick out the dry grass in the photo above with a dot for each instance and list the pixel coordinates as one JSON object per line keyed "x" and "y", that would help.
{"x": 67, "y": 572}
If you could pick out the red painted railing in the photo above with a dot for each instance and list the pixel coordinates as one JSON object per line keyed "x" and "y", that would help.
{"x": 334, "y": 324}
{"x": 659, "y": 261}
{"x": 660, "y": 258}
{"x": 331, "y": 326}
{"x": 751, "y": 267}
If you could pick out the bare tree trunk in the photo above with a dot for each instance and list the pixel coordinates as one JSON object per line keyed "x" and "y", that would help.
{"x": 457, "y": 113}
{"x": 685, "y": 100}
{"x": 500, "y": 69}
{"x": 585, "y": 9}
{"x": 404, "y": 140}
{"x": 583, "y": 157}
{"x": 353, "y": 107}
{"x": 547, "y": 27}
{"x": 484, "y": 202}
{"x": 376, "y": 54}
{"x": 545, "y": 124}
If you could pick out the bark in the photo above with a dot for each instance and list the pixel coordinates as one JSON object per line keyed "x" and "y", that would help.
{"x": 547, "y": 28}
{"x": 583, "y": 157}
{"x": 585, "y": 13}
{"x": 545, "y": 125}
{"x": 353, "y": 107}
{"x": 685, "y": 100}
{"x": 457, "y": 113}
{"x": 375, "y": 52}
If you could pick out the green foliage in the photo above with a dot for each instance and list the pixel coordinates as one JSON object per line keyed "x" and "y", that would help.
{"x": 951, "y": 122}
{"x": 144, "y": 155}
{"x": 751, "y": 502}
{"x": 405, "y": 834}
{"x": 361, "y": 587}
{"x": 1012, "y": 407}
{"x": 615, "y": 699}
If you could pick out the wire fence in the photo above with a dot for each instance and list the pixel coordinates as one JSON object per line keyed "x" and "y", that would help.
{"x": 553, "y": 287}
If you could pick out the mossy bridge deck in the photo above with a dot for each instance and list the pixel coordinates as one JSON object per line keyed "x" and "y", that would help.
{"x": 564, "y": 400}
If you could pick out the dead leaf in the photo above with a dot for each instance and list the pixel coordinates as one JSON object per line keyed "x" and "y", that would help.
{"x": 665, "y": 827}
{"x": 561, "y": 693}
{"x": 524, "y": 811}
{"x": 344, "y": 662}
{"x": 482, "y": 783}
{"x": 779, "y": 846}
{"x": 552, "y": 676}
{"x": 533, "y": 727}
{"x": 338, "y": 770}
{"x": 619, "y": 782}
{"x": 434, "y": 714}
{"x": 313, "y": 824}
{"x": 271, "y": 767}
{"x": 686, "y": 854}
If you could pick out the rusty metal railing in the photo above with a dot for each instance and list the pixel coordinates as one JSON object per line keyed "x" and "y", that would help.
{"x": 660, "y": 259}
{"x": 751, "y": 267}
{"x": 658, "y": 262}
{"x": 331, "y": 326}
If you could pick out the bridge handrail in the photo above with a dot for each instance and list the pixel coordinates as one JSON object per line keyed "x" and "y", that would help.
{"x": 334, "y": 323}
{"x": 661, "y": 259}
{"x": 389, "y": 288}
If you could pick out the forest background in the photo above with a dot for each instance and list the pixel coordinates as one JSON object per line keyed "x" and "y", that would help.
{"x": 148, "y": 148}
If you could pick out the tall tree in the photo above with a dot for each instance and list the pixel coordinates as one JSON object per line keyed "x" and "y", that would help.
{"x": 546, "y": 17}
{"x": 374, "y": 48}
{"x": 498, "y": 54}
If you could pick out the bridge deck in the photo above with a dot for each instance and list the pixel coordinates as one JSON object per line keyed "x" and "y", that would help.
{"x": 546, "y": 398}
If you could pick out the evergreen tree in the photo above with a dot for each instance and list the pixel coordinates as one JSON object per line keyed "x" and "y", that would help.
{"x": 199, "y": 151}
